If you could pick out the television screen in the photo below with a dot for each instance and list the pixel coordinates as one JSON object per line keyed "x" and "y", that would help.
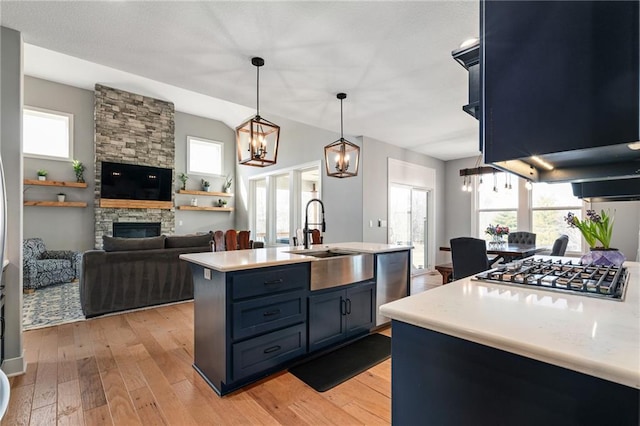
{"x": 130, "y": 182}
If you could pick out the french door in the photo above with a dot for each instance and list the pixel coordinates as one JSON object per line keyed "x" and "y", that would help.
{"x": 408, "y": 222}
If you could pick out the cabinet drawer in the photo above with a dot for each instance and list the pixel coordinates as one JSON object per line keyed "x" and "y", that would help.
{"x": 246, "y": 284}
{"x": 265, "y": 314}
{"x": 268, "y": 351}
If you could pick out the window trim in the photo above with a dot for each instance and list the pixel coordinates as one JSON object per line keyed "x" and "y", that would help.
{"x": 70, "y": 126}
{"x": 294, "y": 173}
{"x": 199, "y": 172}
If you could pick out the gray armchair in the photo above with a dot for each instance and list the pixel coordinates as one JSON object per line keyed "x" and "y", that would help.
{"x": 42, "y": 268}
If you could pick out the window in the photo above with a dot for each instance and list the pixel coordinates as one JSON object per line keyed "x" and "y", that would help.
{"x": 549, "y": 205}
{"x": 278, "y": 200}
{"x": 496, "y": 205}
{"x": 47, "y": 134}
{"x": 204, "y": 156}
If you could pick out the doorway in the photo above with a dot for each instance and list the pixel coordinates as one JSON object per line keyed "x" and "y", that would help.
{"x": 408, "y": 223}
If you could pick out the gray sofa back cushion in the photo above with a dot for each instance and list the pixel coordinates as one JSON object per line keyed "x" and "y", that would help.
{"x": 181, "y": 241}
{"x": 129, "y": 244}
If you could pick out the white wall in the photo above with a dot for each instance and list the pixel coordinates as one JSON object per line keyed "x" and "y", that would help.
{"x": 627, "y": 224}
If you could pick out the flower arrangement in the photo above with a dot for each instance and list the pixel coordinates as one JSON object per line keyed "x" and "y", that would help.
{"x": 497, "y": 230}
{"x": 595, "y": 228}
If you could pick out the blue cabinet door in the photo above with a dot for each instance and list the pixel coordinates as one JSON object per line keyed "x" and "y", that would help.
{"x": 360, "y": 309}
{"x": 327, "y": 313}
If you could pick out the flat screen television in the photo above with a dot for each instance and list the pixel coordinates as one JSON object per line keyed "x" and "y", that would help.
{"x": 131, "y": 182}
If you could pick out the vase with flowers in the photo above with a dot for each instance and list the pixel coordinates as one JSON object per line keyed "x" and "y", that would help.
{"x": 497, "y": 233}
{"x": 597, "y": 230}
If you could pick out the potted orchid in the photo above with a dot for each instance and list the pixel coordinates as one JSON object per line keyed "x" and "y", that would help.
{"x": 597, "y": 230}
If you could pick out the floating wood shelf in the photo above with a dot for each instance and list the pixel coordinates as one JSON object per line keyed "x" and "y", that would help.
{"x": 211, "y": 209}
{"x": 135, "y": 204}
{"x": 55, "y": 183}
{"x": 210, "y": 193}
{"x": 56, "y": 203}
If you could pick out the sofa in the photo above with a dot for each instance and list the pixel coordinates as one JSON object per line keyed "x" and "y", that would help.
{"x": 42, "y": 267}
{"x": 131, "y": 273}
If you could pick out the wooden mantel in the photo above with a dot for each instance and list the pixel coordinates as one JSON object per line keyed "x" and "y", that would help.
{"x": 135, "y": 204}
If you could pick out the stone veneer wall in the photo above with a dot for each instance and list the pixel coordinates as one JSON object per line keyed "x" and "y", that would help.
{"x": 132, "y": 129}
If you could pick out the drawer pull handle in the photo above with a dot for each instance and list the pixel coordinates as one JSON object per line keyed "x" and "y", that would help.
{"x": 272, "y": 349}
{"x": 273, "y": 282}
{"x": 271, "y": 313}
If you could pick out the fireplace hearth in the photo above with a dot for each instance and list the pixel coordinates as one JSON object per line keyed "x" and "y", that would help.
{"x": 136, "y": 229}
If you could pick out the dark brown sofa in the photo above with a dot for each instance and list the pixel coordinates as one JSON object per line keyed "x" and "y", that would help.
{"x": 137, "y": 272}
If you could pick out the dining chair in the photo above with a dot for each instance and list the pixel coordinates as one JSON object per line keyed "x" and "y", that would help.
{"x": 231, "y": 240}
{"x": 560, "y": 245}
{"x": 316, "y": 237}
{"x": 244, "y": 240}
{"x": 522, "y": 237}
{"x": 218, "y": 240}
{"x": 469, "y": 256}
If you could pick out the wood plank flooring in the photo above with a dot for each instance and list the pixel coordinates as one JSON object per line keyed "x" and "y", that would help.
{"x": 136, "y": 369}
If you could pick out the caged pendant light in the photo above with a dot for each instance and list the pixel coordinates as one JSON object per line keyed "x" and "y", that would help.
{"x": 342, "y": 157}
{"x": 257, "y": 139}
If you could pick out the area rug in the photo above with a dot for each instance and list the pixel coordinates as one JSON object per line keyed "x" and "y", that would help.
{"x": 338, "y": 366}
{"x": 51, "y": 305}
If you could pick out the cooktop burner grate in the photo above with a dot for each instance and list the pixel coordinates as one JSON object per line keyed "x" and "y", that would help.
{"x": 566, "y": 276}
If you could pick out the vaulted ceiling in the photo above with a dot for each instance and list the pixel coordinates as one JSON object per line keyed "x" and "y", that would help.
{"x": 392, "y": 58}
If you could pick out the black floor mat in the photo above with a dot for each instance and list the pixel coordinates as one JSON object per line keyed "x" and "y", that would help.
{"x": 335, "y": 367}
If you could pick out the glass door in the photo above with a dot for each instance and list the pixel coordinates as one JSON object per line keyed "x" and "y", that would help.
{"x": 408, "y": 222}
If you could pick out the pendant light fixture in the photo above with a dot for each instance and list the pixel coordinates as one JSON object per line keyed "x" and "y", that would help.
{"x": 257, "y": 139}
{"x": 342, "y": 157}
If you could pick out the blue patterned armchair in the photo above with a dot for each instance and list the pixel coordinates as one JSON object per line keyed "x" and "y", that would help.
{"x": 43, "y": 268}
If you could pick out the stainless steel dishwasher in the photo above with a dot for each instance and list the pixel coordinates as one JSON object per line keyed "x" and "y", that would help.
{"x": 392, "y": 274}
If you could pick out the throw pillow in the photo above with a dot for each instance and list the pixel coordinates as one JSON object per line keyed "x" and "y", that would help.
{"x": 129, "y": 244}
{"x": 182, "y": 241}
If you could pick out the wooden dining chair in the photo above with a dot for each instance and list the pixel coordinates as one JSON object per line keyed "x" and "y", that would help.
{"x": 316, "y": 237}
{"x": 469, "y": 256}
{"x": 244, "y": 240}
{"x": 218, "y": 241}
{"x": 231, "y": 240}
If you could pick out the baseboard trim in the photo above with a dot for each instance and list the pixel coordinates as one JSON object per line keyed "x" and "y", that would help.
{"x": 14, "y": 366}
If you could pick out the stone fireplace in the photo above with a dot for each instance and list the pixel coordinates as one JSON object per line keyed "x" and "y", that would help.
{"x": 132, "y": 129}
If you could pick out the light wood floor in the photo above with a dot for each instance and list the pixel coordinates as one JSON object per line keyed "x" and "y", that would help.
{"x": 136, "y": 369}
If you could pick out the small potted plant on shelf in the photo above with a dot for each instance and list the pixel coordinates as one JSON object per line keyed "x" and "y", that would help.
{"x": 205, "y": 185}
{"x": 222, "y": 203}
{"x": 61, "y": 197}
{"x": 226, "y": 186}
{"x": 42, "y": 174}
{"x": 183, "y": 179}
{"x": 78, "y": 169}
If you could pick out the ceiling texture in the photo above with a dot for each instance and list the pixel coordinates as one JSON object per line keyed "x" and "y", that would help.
{"x": 392, "y": 58}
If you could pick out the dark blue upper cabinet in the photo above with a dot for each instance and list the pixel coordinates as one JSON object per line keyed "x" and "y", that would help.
{"x": 560, "y": 80}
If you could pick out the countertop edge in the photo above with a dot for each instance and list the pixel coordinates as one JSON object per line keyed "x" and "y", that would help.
{"x": 601, "y": 370}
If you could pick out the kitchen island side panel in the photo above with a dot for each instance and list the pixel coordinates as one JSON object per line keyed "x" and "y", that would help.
{"x": 444, "y": 380}
{"x": 209, "y": 316}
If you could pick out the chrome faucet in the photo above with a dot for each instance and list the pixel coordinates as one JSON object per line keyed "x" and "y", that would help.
{"x": 306, "y": 231}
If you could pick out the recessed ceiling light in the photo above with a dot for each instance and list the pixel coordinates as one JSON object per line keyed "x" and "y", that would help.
{"x": 634, "y": 146}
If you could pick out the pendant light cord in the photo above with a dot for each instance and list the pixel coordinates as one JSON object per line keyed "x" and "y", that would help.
{"x": 258, "y": 91}
{"x": 341, "y": 128}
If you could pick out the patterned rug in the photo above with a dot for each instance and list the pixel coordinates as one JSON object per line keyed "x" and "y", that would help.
{"x": 52, "y": 305}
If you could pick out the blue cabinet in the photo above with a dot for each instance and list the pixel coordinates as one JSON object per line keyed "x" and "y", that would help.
{"x": 339, "y": 314}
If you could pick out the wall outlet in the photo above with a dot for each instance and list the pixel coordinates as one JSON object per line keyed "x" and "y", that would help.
{"x": 370, "y": 224}
{"x": 207, "y": 274}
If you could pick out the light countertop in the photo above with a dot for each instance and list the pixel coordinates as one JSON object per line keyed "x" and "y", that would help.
{"x": 597, "y": 337}
{"x": 227, "y": 261}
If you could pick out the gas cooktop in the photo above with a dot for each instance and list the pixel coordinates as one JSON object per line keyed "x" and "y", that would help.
{"x": 607, "y": 282}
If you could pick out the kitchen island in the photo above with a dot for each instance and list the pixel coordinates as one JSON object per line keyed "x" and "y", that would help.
{"x": 258, "y": 311}
{"x": 474, "y": 352}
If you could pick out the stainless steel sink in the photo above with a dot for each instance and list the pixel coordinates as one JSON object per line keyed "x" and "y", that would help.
{"x": 334, "y": 268}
